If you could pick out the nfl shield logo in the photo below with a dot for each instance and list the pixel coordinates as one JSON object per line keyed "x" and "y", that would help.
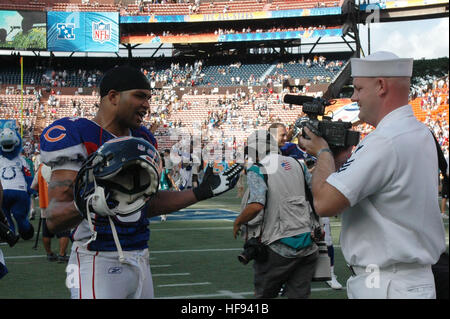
{"x": 101, "y": 31}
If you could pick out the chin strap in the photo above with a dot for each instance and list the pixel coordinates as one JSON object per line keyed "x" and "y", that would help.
{"x": 91, "y": 226}
{"x": 116, "y": 241}
{"x": 113, "y": 227}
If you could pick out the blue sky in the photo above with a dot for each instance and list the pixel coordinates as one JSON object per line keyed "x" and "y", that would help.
{"x": 417, "y": 39}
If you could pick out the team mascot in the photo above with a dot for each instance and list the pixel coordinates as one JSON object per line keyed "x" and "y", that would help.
{"x": 16, "y": 181}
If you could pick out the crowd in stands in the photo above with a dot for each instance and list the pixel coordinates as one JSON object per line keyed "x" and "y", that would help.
{"x": 146, "y": 7}
{"x": 221, "y": 31}
{"x": 237, "y": 112}
{"x": 434, "y": 97}
{"x": 167, "y": 7}
{"x": 315, "y": 68}
{"x": 67, "y": 78}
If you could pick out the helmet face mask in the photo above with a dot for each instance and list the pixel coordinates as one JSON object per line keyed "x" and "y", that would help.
{"x": 121, "y": 177}
{"x": 134, "y": 182}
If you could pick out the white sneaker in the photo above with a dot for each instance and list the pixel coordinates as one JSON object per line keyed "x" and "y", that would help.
{"x": 333, "y": 283}
{"x": 444, "y": 216}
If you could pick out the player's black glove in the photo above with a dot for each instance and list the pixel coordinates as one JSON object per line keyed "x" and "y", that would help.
{"x": 6, "y": 234}
{"x": 216, "y": 184}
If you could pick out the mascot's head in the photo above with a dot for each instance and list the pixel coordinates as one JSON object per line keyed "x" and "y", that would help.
{"x": 10, "y": 143}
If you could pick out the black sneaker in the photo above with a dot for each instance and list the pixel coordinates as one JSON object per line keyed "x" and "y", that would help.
{"x": 51, "y": 257}
{"x": 63, "y": 259}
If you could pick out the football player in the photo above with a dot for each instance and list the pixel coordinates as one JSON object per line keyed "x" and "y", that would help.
{"x": 110, "y": 256}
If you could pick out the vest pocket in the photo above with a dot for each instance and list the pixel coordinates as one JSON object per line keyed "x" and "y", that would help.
{"x": 294, "y": 214}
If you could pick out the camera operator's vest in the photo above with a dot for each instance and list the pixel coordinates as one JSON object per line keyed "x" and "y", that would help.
{"x": 287, "y": 212}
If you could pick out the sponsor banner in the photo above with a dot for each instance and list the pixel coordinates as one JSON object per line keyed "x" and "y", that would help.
{"x": 23, "y": 30}
{"x": 237, "y": 37}
{"x": 264, "y": 36}
{"x": 306, "y": 12}
{"x": 83, "y": 31}
{"x": 382, "y": 4}
{"x": 153, "y": 19}
{"x": 229, "y": 16}
{"x": 232, "y": 16}
{"x": 200, "y": 38}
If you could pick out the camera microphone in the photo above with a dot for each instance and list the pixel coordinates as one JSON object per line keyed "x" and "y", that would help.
{"x": 297, "y": 99}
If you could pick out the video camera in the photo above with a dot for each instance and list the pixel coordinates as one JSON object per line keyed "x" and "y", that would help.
{"x": 337, "y": 134}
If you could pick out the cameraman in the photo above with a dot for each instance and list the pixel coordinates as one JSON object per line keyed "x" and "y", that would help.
{"x": 391, "y": 227}
{"x": 277, "y": 201}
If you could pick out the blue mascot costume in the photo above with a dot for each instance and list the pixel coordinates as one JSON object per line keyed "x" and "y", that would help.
{"x": 16, "y": 180}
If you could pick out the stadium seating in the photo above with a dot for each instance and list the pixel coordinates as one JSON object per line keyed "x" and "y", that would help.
{"x": 301, "y": 4}
{"x": 201, "y": 106}
{"x": 203, "y": 109}
{"x": 220, "y": 75}
{"x": 422, "y": 114}
{"x": 167, "y": 8}
{"x": 302, "y": 71}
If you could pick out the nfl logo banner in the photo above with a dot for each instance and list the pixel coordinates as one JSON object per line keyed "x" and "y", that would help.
{"x": 104, "y": 33}
{"x": 83, "y": 31}
{"x": 101, "y": 31}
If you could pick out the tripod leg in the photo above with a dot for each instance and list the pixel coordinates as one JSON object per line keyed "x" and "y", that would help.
{"x": 37, "y": 235}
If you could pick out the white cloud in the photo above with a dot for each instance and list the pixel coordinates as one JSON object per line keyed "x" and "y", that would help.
{"x": 418, "y": 39}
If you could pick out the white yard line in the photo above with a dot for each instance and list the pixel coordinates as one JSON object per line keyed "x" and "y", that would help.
{"x": 193, "y": 250}
{"x": 151, "y": 252}
{"x": 186, "y": 284}
{"x": 160, "y": 266}
{"x": 174, "y": 274}
{"x": 193, "y": 228}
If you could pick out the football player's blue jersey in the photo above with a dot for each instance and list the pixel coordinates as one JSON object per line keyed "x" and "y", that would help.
{"x": 65, "y": 144}
{"x": 292, "y": 150}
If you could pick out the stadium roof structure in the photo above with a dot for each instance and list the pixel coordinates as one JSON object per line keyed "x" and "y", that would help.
{"x": 210, "y": 34}
{"x": 302, "y": 26}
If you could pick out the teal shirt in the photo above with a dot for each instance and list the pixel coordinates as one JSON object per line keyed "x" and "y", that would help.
{"x": 164, "y": 180}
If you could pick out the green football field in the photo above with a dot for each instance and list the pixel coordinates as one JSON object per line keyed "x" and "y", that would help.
{"x": 192, "y": 255}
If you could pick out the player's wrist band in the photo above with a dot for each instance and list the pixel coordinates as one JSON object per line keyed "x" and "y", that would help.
{"x": 323, "y": 150}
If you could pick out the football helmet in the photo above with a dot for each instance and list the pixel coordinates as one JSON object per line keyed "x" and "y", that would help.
{"x": 8, "y": 140}
{"x": 119, "y": 178}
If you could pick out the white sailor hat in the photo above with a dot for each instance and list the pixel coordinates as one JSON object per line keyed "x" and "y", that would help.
{"x": 381, "y": 64}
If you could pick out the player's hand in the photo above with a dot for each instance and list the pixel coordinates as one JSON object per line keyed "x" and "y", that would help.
{"x": 216, "y": 184}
